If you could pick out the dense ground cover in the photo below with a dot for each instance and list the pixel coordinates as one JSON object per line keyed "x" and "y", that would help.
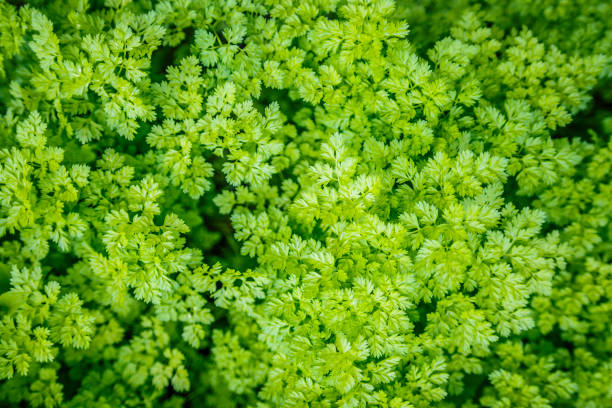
{"x": 315, "y": 203}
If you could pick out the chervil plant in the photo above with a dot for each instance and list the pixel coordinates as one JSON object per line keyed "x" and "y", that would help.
{"x": 314, "y": 203}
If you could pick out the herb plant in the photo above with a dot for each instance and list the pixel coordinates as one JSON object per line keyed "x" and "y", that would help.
{"x": 306, "y": 203}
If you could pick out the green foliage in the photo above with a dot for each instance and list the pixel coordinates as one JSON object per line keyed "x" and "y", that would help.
{"x": 317, "y": 203}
